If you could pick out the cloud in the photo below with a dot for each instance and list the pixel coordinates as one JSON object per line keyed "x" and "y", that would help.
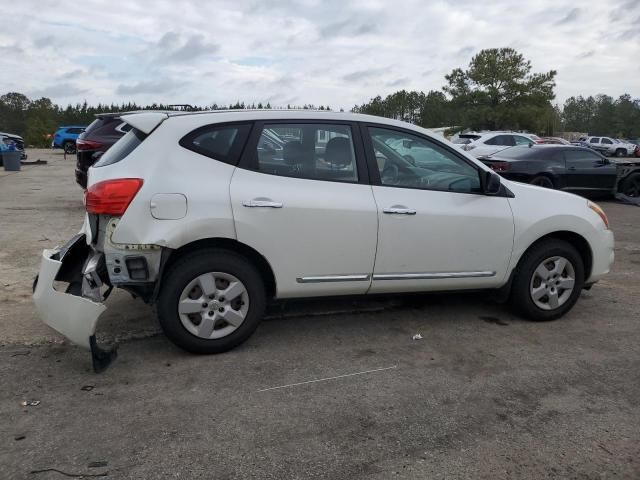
{"x": 336, "y": 52}
{"x": 59, "y": 90}
{"x": 570, "y": 17}
{"x": 154, "y": 86}
{"x": 359, "y": 75}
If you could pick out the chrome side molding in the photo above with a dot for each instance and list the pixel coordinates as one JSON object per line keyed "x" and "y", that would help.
{"x": 333, "y": 278}
{"x": 431, "y": 275}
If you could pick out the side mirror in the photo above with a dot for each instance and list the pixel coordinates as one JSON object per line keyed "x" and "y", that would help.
{"x": 605, "y": 161}
{"x": 491, "y": 183}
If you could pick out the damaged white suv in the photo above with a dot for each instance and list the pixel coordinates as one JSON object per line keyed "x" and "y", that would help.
{"x": 210, "y": 215}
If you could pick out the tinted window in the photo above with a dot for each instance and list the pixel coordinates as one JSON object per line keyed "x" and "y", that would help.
{"x": 581, "y": 155}
{"x": 607, "y": 141}
{"x": 407, "y": 160}
{"x": 522, "y": 140}
{"x": 75, "y": 130}
{"x": 220, "y": 142}
{"x": 312, "y": 151}
{"x": 594, "y": 140}
{"x": 505, "y": 140}
{"x": 121, "y": 148}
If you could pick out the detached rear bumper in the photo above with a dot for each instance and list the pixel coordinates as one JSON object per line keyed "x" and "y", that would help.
{"x": 72, "y": 313}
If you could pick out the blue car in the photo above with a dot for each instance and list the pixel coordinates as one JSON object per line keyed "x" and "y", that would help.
{"x": 65, "y": 137}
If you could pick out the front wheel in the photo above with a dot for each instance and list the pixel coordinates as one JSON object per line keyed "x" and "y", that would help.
{"x": 548, "y": 280}
{"x": 621, "y": 152}
{"x": 211, "y": 301}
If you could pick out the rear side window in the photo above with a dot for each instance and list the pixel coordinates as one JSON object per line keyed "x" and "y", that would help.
{"x": 504, "y": 140}
{"x": 220, "y": 142}
{"x": 121, "y": 148}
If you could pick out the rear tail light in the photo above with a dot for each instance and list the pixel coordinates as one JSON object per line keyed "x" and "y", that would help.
{"x": 111, "y": 197}
{"x": 499, "y": 166}
{"x": 87, "y": 145}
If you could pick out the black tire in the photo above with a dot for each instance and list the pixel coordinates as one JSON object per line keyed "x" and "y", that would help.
{"x": 69, "y": 148}
{"x": 621, "y": 152}
{"x": 187, "y": 268}
{"x": 631, "y": 185}
{"x": 542, "y": 181}
{"x": 521, "y": 299}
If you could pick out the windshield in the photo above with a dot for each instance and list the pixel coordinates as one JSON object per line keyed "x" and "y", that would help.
{"x": 121, "y": 148}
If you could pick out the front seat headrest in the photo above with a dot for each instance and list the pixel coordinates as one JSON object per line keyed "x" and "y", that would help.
{"x": 339, "y": 152}
{"x": 292, "y": 152}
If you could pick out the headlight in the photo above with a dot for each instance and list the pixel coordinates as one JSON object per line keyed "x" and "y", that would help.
{"x": 596, "y": 208}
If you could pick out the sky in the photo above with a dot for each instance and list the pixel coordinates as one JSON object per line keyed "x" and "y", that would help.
{"x": 324, "y": 52}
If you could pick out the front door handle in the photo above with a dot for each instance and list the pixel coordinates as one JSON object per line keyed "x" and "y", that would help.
{"x": 397, "y": 210}
{"x": 571, "y": 168}
{"x": 261, "y": 202}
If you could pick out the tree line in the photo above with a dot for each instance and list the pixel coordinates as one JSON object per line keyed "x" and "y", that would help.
{"x": 498, "y": 90}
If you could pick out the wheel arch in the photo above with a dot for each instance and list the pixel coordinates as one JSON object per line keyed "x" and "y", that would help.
{"x": 228, "y": 244}
{"x": 575, "y": 239}
{"x": 555, "y": 179}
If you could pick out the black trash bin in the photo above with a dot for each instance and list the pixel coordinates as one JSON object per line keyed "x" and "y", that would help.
{"x": 11, "y": 160}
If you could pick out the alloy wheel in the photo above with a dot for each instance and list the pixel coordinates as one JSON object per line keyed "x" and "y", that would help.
{"x": 213, "y": 305}
{"x": 552, "y": 283}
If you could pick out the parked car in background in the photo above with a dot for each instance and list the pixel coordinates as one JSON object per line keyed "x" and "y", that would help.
{"x": 610, "y": 146}
{"x": 465, "y": 138}
{"x": 186, "y": 212}
{"x": 566, "y": 167}
{"x": 96, "y": 139}
{"x": 65, "y": 137}
{"x": 553, "y": 141}
{"x": 492, "y": 142}
{"x": 17, "y": 140}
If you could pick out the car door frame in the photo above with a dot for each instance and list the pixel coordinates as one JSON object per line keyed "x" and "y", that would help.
{"x": 311, "y": 283}
{"x": 468, "y": 276}
{"x": 249, "y": 159}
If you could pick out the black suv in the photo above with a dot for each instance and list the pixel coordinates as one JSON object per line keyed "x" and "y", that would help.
{"x": 105, "y": 130}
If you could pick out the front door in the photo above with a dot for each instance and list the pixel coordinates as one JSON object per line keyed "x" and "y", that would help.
{"x": 437, "y": 231}
{"x": 587, "y": 170}
{"x": 301, "y": 198}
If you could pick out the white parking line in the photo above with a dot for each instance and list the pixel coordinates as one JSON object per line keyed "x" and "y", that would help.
{"x": 328, "y": 378}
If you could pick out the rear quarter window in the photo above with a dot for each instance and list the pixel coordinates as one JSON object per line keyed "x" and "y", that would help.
{"x": 220, "y": 142}
{"x": 123, "y": 147}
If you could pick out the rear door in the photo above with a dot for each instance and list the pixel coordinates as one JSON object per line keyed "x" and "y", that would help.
{"x": 301, "y": 197}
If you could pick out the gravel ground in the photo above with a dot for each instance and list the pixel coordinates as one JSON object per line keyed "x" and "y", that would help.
{"x": 483, "y": 394}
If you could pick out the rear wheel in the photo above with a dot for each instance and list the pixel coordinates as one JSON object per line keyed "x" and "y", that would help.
{"x": 211, "y": 301}
{"x": 69, "y": 148}
{"x": 542, "y": 181}
{"x": 548, "y": 280}
{"x": 631, "y": 185}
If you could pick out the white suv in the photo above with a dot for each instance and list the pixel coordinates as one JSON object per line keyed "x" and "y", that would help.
{"x": 492, "y": 142}
{"x": 211, "y": 215}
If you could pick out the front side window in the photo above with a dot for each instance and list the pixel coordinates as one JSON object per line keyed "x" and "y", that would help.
{"x": 311, "y": 151}
{"x": 220, "y": 142}
{"x": 407, "y": 160}
{"x": 522, "y": 140}
{"x": 607, "y": 141}
{"x": 504, "y": 140}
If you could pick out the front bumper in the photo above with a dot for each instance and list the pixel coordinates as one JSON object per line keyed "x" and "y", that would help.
{"x": 603, "y": 255}
{"x": 75, "y": 312}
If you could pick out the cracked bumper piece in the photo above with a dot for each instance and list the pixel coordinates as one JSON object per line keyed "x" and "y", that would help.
{"x": 69, "y": 313}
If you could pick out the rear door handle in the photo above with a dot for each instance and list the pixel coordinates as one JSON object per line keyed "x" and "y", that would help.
{"x": 399, "y": 211}
{"x": 256, "y": 203}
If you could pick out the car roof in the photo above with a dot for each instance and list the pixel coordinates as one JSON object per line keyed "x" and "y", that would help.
{"x": 220, "y": 116}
